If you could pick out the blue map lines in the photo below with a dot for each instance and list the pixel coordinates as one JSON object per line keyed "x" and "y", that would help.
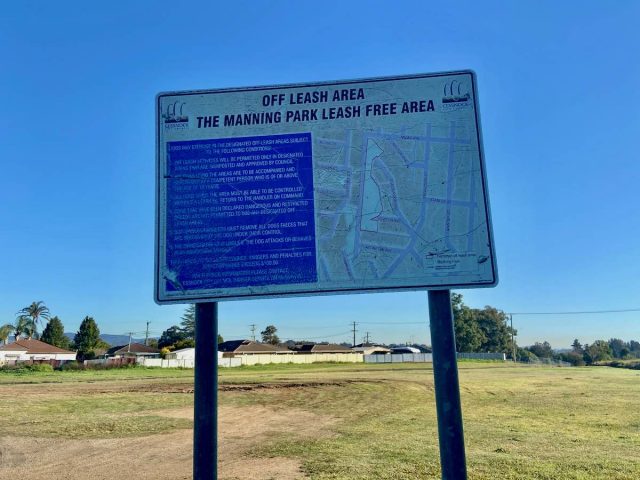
{"x": 397, "y": 203}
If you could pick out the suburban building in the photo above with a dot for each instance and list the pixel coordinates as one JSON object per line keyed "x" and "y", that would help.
{"x": 406, "y": 349}
{"x": 32, "y": 350}
{"x": 133, "y": 350}
{"x": 321, "y": 348}
{"x": 249, "y": 347}
{"x": 371, "y": 349}
{"x": 182, "y": 354}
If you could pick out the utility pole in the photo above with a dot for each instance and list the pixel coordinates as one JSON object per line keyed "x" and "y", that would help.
{"x": 129, "y": 347}
{"x": 253, "y": 331}
{"x": 513, "y": 342}
{"x": 146, "y": 335}
{"x": 367, "y": 339}
{"x": 354, "y": 333}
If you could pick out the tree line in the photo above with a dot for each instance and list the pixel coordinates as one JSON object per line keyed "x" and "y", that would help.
{"x": 29, "y": 320}
{"x": 476, "y": 330}
{"x": 587, "y": 354}
{"x": 487, "y": 330}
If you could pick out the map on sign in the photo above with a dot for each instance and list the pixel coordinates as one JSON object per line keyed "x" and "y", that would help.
{"x": 341, "y": 187}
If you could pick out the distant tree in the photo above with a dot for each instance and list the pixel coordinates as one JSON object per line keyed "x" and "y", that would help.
{"x": 480, "y": 330}
{"x": 269, "y": 335}
{"x": 574, "y": 358}
{"x": 184, "y": 343}
{"x": 153, "y": 343}
{"x": 102, "y": 345}
{"x": 541, "y": 350}
{"x": 87, "y": 339}
{"x": 576, "y": 347}
{"x": 5, "y": 331}
{"x": 634, "y": 348}
{"x": 493, "y": 323}
{"x": 617, "y": 345}
{"x": 37, "y": 312}
{"x": 188, "y": 322}
{"x": 176, "y": 338}
{"x": 25, "y": 326}
{"x": 598, "y": 351}
{"x": 170, "y": 336}
{"x": 53, "y": 334}
{"x": 524, "y": 355}
{"x": 469, "y": 335}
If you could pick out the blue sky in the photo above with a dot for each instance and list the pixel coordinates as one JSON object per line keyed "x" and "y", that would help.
{"x": 558, "y": 85}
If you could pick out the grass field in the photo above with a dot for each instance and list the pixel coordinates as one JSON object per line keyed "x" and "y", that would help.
{"x": 330, "y": 421}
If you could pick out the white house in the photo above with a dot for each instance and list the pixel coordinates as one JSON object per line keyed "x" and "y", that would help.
{"x": 31, "y": 350}
{"x": 186, "y": 354}
{"x": 182, "y": 354}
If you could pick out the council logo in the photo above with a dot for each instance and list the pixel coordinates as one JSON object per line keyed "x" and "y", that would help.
{"x": 174, "y": 116}
{"x": 456, "y": 96}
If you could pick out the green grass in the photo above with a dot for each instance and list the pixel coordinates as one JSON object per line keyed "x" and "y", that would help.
{"x": 17, "y": 377}
{"x": 521, "y": 422}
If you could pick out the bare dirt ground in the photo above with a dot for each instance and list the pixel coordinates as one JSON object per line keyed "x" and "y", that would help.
{"x": 166, "y": 456}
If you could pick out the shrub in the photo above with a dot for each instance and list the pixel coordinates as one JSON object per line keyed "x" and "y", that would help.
{"x": 574, "y": 358}
{"x": 23, "y": 368}
{"x": 71, "y": 367}
{"x": 39, "y": 367}
{"x": 12, "y": 368}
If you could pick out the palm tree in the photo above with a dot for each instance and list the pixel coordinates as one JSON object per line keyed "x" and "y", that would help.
{"x": 36, "y": 312}
{"x": 25, "y": 325}
{"x": 5, "y": 331}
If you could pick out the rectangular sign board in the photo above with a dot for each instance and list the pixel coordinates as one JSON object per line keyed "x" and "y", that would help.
{"x": 322, "y": 188}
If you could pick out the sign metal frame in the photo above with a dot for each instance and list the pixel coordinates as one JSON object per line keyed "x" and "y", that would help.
{"x": 198, "y": 297}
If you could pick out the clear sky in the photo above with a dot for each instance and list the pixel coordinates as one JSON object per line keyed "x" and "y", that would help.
{"x": 558, "y": 87}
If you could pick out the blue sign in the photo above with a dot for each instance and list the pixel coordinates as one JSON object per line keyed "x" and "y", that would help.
{"x": 240, "y": 212}
{"x": 322, "y": 188}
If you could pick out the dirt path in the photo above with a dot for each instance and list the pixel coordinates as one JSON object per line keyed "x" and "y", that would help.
{"x": 166, "y": 456}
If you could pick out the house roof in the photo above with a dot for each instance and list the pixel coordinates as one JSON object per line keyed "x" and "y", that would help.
{"x": 370, "y": 349}
{"x": 31, "y": 345}
{"x": 13, "y": 347}
{"x": 133, "y": 348}
{"x": 322, "y": 348}
{"x": 248, "y": 346}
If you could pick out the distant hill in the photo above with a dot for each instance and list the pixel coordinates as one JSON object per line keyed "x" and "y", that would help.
{"x": 113, "y": 340}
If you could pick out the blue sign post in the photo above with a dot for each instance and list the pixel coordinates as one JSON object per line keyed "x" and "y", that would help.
{"x": 445, "y": 375}
{"x": 205, "y": 406}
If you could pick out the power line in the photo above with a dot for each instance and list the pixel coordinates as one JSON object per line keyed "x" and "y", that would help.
{"x": 585, "y": 312}
{"x": 327, "y": 336}
{"x": 394, "y": 323}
